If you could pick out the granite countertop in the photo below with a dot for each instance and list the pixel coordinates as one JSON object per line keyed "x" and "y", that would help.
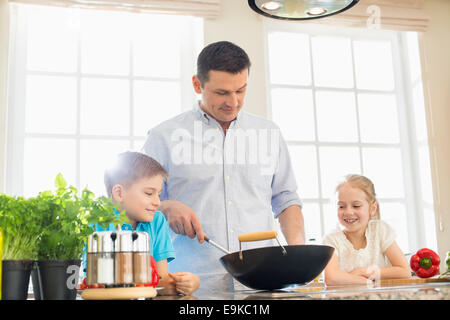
{"x": 414, "y": 289}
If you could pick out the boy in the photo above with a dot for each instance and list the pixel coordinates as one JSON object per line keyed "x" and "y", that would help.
{"x": 136, "y": 182}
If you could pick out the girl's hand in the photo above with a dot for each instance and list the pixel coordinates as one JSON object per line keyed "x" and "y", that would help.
{"x": 185, "y": 282}
{"x": 371, "y": 272}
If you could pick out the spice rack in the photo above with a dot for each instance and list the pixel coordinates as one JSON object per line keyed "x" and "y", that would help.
{"x": 119, "y": 266}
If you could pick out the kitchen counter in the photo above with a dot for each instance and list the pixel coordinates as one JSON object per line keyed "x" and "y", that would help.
{"x": 414, "y": 289}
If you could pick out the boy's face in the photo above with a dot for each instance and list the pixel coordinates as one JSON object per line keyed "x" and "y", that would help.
{"x": 140, "y": 199}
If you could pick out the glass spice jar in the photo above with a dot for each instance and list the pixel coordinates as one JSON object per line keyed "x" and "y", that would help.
{"x": 105, "y": 260}
{"x": 92, "y": 259}
{"x": 141, "y": 258}
{"x": 124, "y": 258}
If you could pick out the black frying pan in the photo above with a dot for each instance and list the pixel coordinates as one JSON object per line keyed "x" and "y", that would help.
{"x": 275, "y": 267}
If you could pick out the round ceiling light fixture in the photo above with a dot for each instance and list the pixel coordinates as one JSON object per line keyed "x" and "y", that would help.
{"x": 300, "y": 9}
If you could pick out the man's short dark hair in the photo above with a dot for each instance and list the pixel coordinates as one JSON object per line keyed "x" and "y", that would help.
{"x": 129, "y": 168}
{"x": 221, "y": 56}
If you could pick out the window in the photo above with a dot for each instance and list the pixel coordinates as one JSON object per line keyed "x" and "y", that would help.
{"x": 86, "y": 85}
{"x": 347, "y": 102}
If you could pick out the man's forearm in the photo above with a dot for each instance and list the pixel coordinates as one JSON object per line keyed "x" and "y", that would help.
{"x": 164, "y": 207}
{"x": 292, "y": 225}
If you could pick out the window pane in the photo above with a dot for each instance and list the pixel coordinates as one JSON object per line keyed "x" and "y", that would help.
{"x": 156, "y": 45}
{"x": 137, "y": 145}
{"x": 304, "y": 162}
{"x": 335, "y": 164}
{"x": 52, "y": 39}
{"x": 384, "y": 167}
{"x": 336, "y": 116}
{"x": 289, "y": 58}
{"x": 311, "y": 215}
{"x": 96, "y": 156}
{"x": 373, "y": 65}
{"x": 154, "y": 102}
{"x": 105, "y": 44}
{"x": 395, "y": 215}
{"x": 375, "y": 109}
{"x": 105, "y": 106}
{"x": 43, "y": 160}
{"x": 291, "y": 106}
{"x": 50, "y": 104}
{"x": 332, "y": 61}
{"x": 330, "y": 218}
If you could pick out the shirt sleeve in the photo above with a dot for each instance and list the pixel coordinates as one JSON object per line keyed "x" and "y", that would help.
{"x": 162, "y": 245}
{"x": 284, "y": 186}
{"x": 387, "y": 235}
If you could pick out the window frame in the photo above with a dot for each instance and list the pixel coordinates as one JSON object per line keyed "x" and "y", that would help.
{"x": 16, "y": 135}
{"x": 408, "y": 144}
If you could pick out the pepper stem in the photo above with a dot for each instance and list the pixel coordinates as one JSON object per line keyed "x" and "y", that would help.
{"x": 425, "y": 263}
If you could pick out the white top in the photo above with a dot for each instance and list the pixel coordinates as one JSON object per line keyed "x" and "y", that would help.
{"x": 379, "y": 236}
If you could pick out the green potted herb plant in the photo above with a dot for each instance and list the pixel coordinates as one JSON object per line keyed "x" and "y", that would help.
{"x": 21, "y": 227}
{"x": 67, "y": 222}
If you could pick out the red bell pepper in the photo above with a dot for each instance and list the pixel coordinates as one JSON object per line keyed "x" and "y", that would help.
{"x": 425, "y": 263}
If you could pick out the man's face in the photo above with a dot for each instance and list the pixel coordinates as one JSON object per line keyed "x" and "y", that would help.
{"x": 222, "y": 95}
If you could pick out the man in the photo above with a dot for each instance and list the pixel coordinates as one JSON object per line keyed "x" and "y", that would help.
{"x": 229, "y": 171}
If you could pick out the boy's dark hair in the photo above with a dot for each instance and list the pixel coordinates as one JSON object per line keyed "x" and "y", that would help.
{"x": 221, "y": 56}
{"x": 131, "y": 167}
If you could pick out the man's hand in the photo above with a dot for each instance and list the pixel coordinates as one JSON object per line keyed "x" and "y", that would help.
{"x": 182, "y": 219}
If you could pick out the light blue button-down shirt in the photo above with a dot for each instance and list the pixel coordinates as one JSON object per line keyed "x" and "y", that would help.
{"x": 236, "y": 183}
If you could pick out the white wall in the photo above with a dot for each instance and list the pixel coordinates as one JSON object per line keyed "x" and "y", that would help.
{"x": 240, "y": 25}
{"x": 436, "y": 77}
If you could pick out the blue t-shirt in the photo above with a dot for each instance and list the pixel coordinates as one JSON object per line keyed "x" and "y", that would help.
{"x": 161, "y": 246}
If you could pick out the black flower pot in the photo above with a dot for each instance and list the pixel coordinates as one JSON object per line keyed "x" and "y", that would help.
{"x": 36, "y": 283}
{"x": 15, "y": 279}
{"x": 56, "y": 279}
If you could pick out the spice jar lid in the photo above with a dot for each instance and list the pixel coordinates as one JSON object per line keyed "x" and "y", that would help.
{"x": 105, "y": 241}
{"x": 124, "y": 241}
{"x": 141, "y": 241}
{"x": 92, "y": 243}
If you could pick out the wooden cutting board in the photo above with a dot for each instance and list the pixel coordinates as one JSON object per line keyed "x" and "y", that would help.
{"x": 118, "y": 293}
{"x": 414, "y": 280}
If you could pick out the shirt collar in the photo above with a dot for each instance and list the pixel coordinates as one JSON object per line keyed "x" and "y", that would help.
{"x": 206, "y": 117}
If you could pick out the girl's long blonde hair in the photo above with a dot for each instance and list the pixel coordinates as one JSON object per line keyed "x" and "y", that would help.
{"x": 363, "y": 183}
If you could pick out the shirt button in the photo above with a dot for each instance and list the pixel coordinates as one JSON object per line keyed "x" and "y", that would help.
{"x": 228, "y": 177}
{"x": 230, "y": 203}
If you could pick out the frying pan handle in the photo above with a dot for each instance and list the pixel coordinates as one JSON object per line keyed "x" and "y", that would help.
{"x": 257, "y": 236}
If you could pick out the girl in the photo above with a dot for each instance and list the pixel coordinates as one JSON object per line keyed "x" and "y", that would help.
{"x": 365, "y": 250}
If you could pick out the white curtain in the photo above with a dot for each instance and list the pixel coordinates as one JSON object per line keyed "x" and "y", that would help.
{"x": 400, "y": 15}
{"x": 199, "y": 8}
